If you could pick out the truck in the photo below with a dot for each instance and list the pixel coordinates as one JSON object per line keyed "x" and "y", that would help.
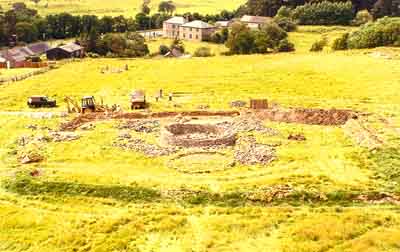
{"x": 38, "y": 101}
{"x": 138, "y": 99}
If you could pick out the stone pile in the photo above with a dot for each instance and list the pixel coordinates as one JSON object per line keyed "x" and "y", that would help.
{"x": 249, "y": 152}
{"x": 126, "y": 142}
{"x": 145, "y": 126}
{"x": 248, "y": 123}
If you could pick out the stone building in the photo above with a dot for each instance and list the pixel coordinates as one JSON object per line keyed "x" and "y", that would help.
{"x": 172, "y": 25}
{"x": 196, "y": 30}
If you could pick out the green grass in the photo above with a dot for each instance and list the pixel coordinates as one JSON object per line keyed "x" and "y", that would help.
{"x": 93, "y": 196}
{"x": 123, "y": 7}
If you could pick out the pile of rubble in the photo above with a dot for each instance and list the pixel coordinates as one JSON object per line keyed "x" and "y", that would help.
{"x": 249, "y": 152}
{"x": 126, "y": 142}
{"x": 237, "y": 104}
{"x": 52, "y": 136}
{"x": 145, "y": 126}
{"x": 30, "y": 156}
{"x": 248, "y": 123}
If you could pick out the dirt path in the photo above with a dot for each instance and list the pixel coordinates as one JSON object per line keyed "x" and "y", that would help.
{"x": 35, "y": 115}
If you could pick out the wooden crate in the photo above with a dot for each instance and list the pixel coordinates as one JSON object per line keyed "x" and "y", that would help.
{"x": 258, "y": 104}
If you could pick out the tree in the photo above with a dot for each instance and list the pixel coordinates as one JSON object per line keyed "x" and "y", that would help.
{"x": 240, "y": 40}
{"x": 142, "y": 21}
{"x": 26, "y": 32}
{"x": 362, "y": 17}
{"x": 177, "y": 44}
{"x": 167, "y": 7}
{"x": 145, "y": 7}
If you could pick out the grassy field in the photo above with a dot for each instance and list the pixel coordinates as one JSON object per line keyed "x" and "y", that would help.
{"x": 123, "y": 7}
{"x": 93, "y": 196}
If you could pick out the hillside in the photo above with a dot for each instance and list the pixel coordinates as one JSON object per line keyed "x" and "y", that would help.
{"x": 123, "y": 7}
{"x": 113, "y": 185}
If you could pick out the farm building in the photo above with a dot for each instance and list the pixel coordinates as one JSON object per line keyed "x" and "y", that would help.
{"x": 223, "y": 24}
{"x": 38, "y": 48}
{"x": 15, "y": 57}
{"x": 67, "y": 51}
{"x": 171, "y": 26}
{"x": 196, "y": 30}
{"x": 255, "y": 22}
{"x": 22, "y": 56}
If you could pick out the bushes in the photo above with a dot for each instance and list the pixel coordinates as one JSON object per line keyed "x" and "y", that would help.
{"x": 285, "y": 23}
{"x": 270, "y": 37}
{"x": 340, "y": 43}
{"x": 319, "y": 45}
{"x": 383, "y": 32}
{"x": 220, "y": 37}
{"x": 285, "y": 46}
{"x": 362, "y": 17}
{"x": 203, "y": 52}
{"x": 324, "y": 13}
{"x": 163, "y": 49}
{"x": 117, "y": 45}
{"x": 177, "y": 44}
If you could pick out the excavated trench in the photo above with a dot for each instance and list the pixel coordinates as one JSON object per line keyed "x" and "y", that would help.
{"x": 308, "y": 116}
{"x": 197, "y": 135}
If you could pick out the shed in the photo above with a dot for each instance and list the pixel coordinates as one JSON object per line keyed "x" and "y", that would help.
{"x": 255, "y": 22}
{"x": 67, "y": 51}
{"x": 38, "y": 48}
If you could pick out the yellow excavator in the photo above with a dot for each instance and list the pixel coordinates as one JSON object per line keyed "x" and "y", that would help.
{"x": 88, "y": 104}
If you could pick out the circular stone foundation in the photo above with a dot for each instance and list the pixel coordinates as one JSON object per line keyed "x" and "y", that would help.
{"x": 197, "y": 135}
{"x": 201, "y": 162}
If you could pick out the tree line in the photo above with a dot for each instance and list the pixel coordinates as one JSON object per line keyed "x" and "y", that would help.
{"x": 378, "y": 8}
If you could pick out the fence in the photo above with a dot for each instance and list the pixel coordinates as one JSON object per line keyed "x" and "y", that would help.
{"x": 24, "y": 76}
{"x": 43, "y": 68}
{"x": 26, "y": 64}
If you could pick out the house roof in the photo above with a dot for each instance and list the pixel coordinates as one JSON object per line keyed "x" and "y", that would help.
{"x": 39, "y": 48}
{"x": 71, "y": 47}
{"x": 176, "y": 20}
{"x": 223, "y": 23}
{"x": 255, "y": 19}
{"x": 198, "y": 24}
{"x": 16, "y": 54}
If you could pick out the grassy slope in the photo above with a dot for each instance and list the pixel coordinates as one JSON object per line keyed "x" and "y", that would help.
{"x": 123, "y": 7}
{"x": 327, "y": 162}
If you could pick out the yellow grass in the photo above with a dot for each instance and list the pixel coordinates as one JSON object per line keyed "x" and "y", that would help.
{"x": 62, "y": 218}
{"x": 123, "y": 7}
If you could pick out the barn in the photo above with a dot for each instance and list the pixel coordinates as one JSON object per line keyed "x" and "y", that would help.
{"x": 67, "y": 51}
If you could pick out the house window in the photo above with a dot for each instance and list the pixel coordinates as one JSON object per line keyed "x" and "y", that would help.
{"x": 197, "y": 29}
{"x": 197, "y": 36}
{"x": 190, "y": 29}
{"x": 190, "y": 36}
{"x": 184, "y": 35}
{"x": 173, "y": 26}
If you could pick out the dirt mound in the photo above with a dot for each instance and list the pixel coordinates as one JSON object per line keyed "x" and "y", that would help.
{"x": 249, "y": 152}
{"x": 247, "y": 123}
{"x": 86, "y": 118}
{"x": 308, "y": 116}
{"x": 197, "y": 135}
{"x": 362, "y": 135}
{"x": 145, "y": 126}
